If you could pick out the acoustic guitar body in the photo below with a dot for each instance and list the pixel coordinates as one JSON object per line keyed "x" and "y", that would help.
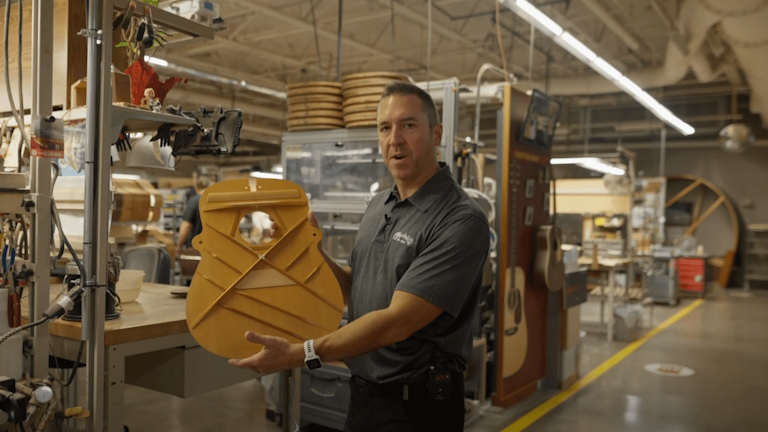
{"x": 283, "y": 288}
{"x": 515, "y": 337}
{"x": 549, "y": 269}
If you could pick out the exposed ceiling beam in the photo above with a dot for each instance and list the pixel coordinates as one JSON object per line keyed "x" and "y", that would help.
{"x": 262, "y": 36}
{"x": 420, "y": 20}
{"x": 263, "y": 10}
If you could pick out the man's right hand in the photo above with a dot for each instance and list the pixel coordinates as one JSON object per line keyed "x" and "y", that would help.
{"x": 310, "y": 216}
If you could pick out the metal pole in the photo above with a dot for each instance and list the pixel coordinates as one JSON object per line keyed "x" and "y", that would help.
{"x": 40, "y": 232}
{"x": 663, "y": 152}
{"x": 338, "y": 47}
{"x": 95, "y": 242}
{"x": 394, "y": 39}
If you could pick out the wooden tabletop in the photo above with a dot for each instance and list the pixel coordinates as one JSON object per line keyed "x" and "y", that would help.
{"x": 154, "y": 314}
{"x": 605, "y": 262}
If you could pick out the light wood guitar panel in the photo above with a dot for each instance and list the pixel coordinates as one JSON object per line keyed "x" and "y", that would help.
{"x": 515, "y": 338}
{"x": 283, "y": 288}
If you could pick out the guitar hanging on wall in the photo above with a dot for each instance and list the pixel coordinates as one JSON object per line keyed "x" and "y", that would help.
{"x": 548, "y": 269}
{"x": 283, "y": 288}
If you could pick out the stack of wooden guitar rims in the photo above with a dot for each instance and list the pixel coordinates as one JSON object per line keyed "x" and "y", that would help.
{"x": 315, "y": 105}
{"x": 362, "y": 92}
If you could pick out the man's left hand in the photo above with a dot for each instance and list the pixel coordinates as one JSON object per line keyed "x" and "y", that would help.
{"x": 278, "y": 354}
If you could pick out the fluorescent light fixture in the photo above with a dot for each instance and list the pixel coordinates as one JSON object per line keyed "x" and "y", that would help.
{"x": 603, "y": 167}
{"x": 126, "y": 177}
{"x": 260, "y": 174}
{"x": 277, "y": 169}
{"x": 215, "y": 78}
{"x": 574, "y": 46}
{"x": 156, "y": 61}
{"x": 578, "y": 46}
{"x": 607, "y": 68}
{"x": 571, "y": 161}
{"x": 136, "y": 135}
{"x": 540, "y": 17}
{"x": 631, "y": 86}
{"x": 592, "y": 163}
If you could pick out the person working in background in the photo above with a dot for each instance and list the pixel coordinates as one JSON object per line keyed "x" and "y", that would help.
{"x": 191, "y": 224}
{"x": 412, "y": 286}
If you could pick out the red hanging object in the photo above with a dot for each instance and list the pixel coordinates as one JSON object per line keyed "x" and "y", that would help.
{"x": 143, "y": 76}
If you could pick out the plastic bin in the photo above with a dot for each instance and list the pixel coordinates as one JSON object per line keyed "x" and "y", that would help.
{"x": 627, "y": 320}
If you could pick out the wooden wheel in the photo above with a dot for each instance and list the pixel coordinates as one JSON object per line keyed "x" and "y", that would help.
{"x": 698, "y": 183}
{"x": 390, "y": 75}
{"x": 332, "y": 84}
{"x": 313, "y": 90}
{"x": 364, "y": 91}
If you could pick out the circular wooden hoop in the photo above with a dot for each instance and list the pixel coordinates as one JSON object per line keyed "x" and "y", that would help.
{"x": 294, "y": 100}
{"x": 391, "y": 75}
{"x": 363, "y": 107}
{"x": 316, "y": 121}
{"x": 361, "y": 124}
{"x": 364, "y": 116}
{"x": 366, "y": 82}
{"x": 364, "y": 91}
{"x": 313, "y": 127}
{"x": 332, "y": 84}
{"x": 307, "y": 106}
{"x": 360, "y": 100}
{"x": 315, "y": 113}
{"x": 314, "y": 91}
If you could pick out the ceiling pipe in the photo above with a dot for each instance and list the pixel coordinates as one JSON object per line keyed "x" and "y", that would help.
{"x": 483, "y": 69}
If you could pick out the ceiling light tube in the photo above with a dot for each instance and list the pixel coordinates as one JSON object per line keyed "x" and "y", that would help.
{"x": 156, "y": 61}
{"x": 540, "y": 17}
{"x": 603, "y": 168}
{"x": 631, "y": 86}
{"x": 578, "y": 46}
{"x": 574, "y": 46}
{"x": 607, "y": 68}
{"x": 571, "y": 161}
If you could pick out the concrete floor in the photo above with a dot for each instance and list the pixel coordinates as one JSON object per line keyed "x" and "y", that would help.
{"x": 725, "y": 341}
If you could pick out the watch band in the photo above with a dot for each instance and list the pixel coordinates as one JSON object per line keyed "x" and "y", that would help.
{"x": 309, "y": 348}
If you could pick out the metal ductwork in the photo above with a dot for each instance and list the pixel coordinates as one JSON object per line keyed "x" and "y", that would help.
{"x": 741, "y": 24}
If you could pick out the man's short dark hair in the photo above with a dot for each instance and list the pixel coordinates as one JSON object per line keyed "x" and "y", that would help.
{"x": 427, "y": 104}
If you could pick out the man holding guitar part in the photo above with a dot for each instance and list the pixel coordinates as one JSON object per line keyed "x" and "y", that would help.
{"x": 412, "y": 286}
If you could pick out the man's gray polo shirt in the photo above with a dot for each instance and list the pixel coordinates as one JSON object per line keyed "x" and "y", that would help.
{"x": 434, "y": 245}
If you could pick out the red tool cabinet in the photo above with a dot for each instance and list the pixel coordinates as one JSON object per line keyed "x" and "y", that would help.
{"x": 691, "y": 275}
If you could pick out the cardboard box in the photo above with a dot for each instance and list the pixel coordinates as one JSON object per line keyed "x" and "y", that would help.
{"x": 121, "y": 90}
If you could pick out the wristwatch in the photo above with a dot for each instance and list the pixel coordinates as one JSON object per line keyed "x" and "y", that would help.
{"x": 310, "y": 356}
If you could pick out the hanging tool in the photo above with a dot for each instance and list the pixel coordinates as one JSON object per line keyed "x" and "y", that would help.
{"x": 123, "y": 19}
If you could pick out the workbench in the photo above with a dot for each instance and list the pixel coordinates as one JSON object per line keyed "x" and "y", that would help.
{"x": 148, "y": 346}
{"x": 609, "y": 266}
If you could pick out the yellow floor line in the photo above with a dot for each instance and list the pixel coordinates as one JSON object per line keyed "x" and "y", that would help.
{"x": 561, "y": 397}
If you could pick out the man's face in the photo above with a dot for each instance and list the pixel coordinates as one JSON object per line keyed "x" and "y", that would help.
{"x": 407, "y": 143}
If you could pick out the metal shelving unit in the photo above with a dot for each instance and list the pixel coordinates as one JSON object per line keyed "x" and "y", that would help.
{"x": 757, "y": 253}
{"x": 103, "y": 124}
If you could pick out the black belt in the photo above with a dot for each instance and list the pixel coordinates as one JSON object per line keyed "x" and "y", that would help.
{"x": 412, "y": 391}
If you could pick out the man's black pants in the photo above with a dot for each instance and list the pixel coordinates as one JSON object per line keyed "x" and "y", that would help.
{"x": 373, "y": 410}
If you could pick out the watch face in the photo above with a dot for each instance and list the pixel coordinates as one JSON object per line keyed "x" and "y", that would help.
{"x": 313, "y": 364}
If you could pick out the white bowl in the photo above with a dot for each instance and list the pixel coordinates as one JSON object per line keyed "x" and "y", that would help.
{"x": 129, "y": 285}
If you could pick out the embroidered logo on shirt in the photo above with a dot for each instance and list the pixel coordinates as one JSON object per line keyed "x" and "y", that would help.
{"x": 403, "y": 238}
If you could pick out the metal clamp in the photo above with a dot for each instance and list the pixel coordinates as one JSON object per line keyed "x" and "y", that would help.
{"x": 88, "y": 33}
